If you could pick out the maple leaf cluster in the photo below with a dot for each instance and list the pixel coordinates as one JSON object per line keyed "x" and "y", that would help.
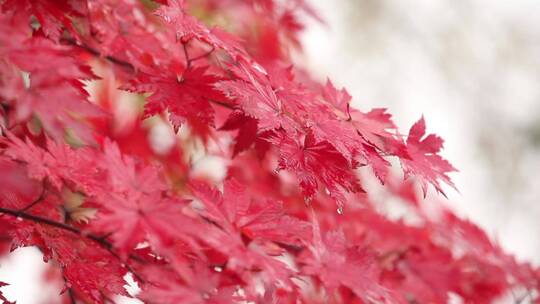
{"x": 109, "y": 110}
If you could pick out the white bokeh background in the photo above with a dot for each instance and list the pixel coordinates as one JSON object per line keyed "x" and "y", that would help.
{"x": 471, "y": 67}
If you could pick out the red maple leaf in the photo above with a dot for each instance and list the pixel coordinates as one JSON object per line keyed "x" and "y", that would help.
{"x": 424, "y": 162}
{"x": 55, "y": 81}
{"x": 258, "y": 99}
{"x": 234, "y": 210}
{"x": 135, "y": 209}
{"x": 356, "y": 135}
{"x": 315, "y": 162}
{"x": 184, "y": 95}
{"x": 337, "y": 264}
{"x": 53, "y": 16}
{"x": 188, "y": 27}
{"x": 2, "y": 298}
{"x": 101, "y": 212}
{"x": 339, "y": 99}
{"x": 247, "y": 130}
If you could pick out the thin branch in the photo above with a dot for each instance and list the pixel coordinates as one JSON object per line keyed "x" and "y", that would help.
{"x": 205, "y": 54}
{"x": 131, "y": 67}
{"x": 37, "y": 200}
{"x": 190, "y": 60}
{"x": 186, "y": 55}
{"x": 46, "y": 221}
{"x": 105, "y": 236}
{"x": 98, "y": 239}
{"x": 70, "y": 292}
{"x": 72, "y": 296}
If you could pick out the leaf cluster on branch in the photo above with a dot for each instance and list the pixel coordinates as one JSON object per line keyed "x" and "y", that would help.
{"x": 111, "y": 112}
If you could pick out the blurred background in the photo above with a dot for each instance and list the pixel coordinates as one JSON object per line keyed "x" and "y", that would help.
{"x": 471, "y": 67}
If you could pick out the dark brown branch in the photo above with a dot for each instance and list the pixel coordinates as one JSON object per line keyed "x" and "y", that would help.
{"x": 45, "y": 221}
{"x": 98, "y": 239}
{"x": 71, "y": 295}
{"x": 105, "y": 236}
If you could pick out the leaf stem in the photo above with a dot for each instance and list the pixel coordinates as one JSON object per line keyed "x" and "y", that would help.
{"x": 186, "y": 55}
{"x": 37, "y": 200}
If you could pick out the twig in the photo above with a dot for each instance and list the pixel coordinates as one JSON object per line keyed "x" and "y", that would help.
{"x": 186, "y": 55}
{"x": 205, "y": 54}
{"x": 70, "y": 292}
{"x": 126, "y": 64}
{"x": 37, "y": 200}
{"x": 72, "y": 296}
{"x": 190, "y": 60}
{"x": 99, "y": 240}
{"x": 46, "y": 221}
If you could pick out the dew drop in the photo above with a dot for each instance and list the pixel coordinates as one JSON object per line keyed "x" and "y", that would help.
{"x": 218, "y": 269}
{"x": 340, "y": 210}
{"x": 327, "y": 191}
{"x": 307, "y": 200}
